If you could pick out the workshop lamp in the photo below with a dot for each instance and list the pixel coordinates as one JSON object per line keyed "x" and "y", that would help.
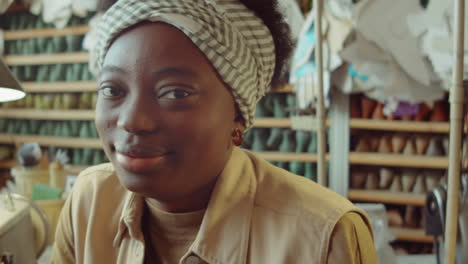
{"x": 10, "y": 89}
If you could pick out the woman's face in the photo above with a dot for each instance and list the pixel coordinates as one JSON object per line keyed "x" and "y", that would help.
{"x": 163, "y": 115}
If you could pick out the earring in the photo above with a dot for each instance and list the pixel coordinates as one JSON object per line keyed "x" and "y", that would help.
{"x": 237, "y": 137}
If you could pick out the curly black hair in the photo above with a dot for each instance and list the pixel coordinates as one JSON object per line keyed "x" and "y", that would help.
{"x": 275, "y": 22}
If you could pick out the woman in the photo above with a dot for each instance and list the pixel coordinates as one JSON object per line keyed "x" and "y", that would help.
{"x": 178, "y": 83}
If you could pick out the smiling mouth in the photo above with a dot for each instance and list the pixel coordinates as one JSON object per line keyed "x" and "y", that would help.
{"x": 138, "y": 164}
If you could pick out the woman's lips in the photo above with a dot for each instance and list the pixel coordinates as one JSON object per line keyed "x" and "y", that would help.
{"x": 138, "y": 164}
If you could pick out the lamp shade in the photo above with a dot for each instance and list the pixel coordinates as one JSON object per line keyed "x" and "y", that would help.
{"x": 10, "y": 89}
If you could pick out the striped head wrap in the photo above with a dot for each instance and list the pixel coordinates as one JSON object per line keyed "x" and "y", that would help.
{"x": 236, "y": 42}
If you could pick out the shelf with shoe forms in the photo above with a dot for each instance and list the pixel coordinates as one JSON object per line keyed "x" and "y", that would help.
{"x": 395, "y": 160}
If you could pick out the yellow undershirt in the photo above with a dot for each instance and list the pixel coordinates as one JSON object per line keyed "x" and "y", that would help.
{"x": 171, "y": 234}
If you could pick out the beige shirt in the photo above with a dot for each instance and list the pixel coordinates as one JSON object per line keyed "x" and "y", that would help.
{"x": 170, "y": 234}
{"x": 257, "y": 213}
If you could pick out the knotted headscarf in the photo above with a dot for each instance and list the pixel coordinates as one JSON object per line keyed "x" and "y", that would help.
{"x": 236, "y": 42}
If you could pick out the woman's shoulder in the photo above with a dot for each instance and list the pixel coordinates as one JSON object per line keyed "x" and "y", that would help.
{"x": 97, "y": 176}
{"x": 284, "y": 191}
{"x": 97, "y": 184}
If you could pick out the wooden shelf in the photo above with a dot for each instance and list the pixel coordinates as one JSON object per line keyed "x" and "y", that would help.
{"x": 400, "y": 126}
{"x": 7, "y": 164}
{"x": 20, "y": 113}
{"x": 285, "y": 89}
{"x": 46, "y": 32}
{"x": 51, "y": 141}
{"x": 23, "y": 113}
{"x": 75, "y": 169}
{"x": 272, "y": 122}
{"x": 271, "y": 156}
{"x": 384, "y": 196}
{"x": 68, "y": 142}
{"x": 397, "y": 160}
{"x": 411, "y": 235}
{"x": 281, "y": 156}
{"x": 265, "y": 122}
{"x": 83, "y": 86}
{"x": 41, "y": 59}
{"x": 59, "y": 87}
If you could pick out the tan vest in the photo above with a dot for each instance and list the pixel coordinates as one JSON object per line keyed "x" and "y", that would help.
{"x": 258, "y": 213}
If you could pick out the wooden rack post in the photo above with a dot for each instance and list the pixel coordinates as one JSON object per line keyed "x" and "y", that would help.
{"x": 321, "y": 133}
{"x": 456, "y": 121}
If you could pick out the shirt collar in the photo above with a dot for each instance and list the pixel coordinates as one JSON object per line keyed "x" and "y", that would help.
{"x": 225, "y": 229}
{"x": 224, "y": 232}
{"x": 130, "y": 219}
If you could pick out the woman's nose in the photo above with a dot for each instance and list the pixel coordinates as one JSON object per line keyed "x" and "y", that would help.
{"x": 138, "y": 117}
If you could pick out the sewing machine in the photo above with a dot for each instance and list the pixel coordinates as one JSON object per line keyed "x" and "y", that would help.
{"x": 22, "y": 238}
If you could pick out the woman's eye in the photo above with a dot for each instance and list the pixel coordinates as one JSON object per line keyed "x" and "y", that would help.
{"x": 175, "y": 94}
{"x": 110, "y": 91}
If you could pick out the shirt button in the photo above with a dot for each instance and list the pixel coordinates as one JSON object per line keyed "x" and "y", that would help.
{"x": 193, "y": 260}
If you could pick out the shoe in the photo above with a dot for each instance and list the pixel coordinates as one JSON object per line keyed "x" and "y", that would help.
{"x": 432, "y": 178}
{"x": 358, "y": 177}
{"x": 440, "y": 112}
{"x": 394, "y": 218}
{"x": 420, "y": 185}
{"x": 372, "y": 180}
{"x": 367, "y": 107}
{"x": 386, "y": 178}
{"x": 398, "y": 141}
{"x": 396, "y": 185}
{"x": 422, "y": 143}
{"x": 408, "y": 179}
{"x": 423, "y": 114}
